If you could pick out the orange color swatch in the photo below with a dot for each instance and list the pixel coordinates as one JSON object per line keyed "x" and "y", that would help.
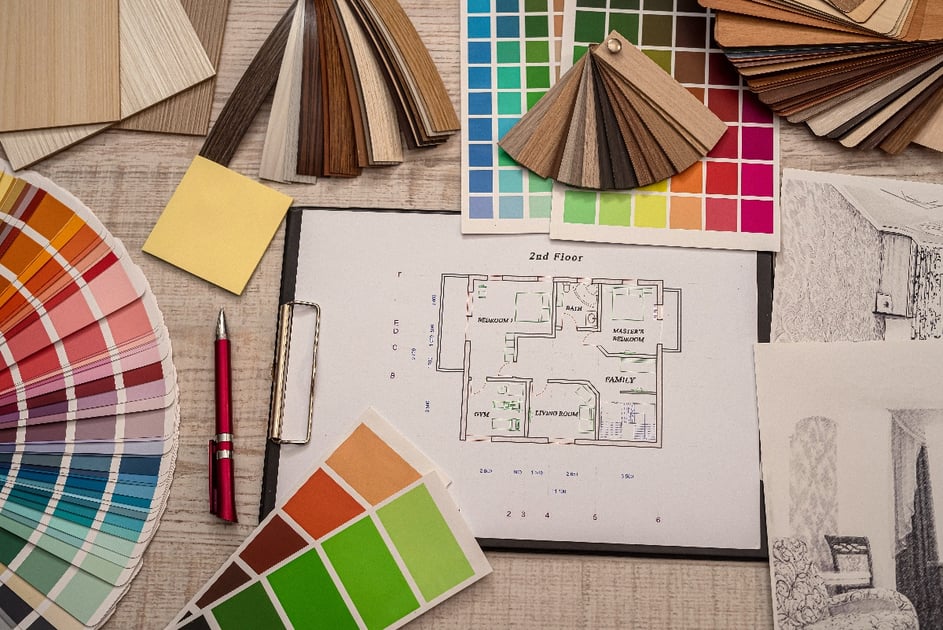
{"x": 371, "y": 467}
{"x": 321, "y": 506}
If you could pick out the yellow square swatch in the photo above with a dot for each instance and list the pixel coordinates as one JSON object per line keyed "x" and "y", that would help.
{"x": 217, "y": 225}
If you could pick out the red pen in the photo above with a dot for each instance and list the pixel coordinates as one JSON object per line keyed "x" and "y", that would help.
{"x": 222, "y": 480}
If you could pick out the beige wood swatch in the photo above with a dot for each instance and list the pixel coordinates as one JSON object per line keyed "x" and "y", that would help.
{"x": 161, "y": 55}
{"x": 58, "y": 63}
{"x": 280, "y": 150}
{"x": 377, "y": 107}
{"x": 189, "y": 112}
{"x": 419, "y": 86}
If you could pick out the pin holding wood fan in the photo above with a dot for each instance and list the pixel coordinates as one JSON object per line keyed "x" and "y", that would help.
{"x": 614, "y": 120}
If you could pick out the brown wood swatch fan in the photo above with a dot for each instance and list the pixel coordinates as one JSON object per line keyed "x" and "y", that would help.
{"x": 356, "y": 82}
{"x": 614, "y": 120}
{"x": 865, "y": 73}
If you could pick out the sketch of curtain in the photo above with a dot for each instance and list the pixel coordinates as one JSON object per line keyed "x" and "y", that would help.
{"x": 927, "y": 322}
{"x": 813, "y": 485}
{"x": 907, "y": 438}
{"x": 917, "y": 563}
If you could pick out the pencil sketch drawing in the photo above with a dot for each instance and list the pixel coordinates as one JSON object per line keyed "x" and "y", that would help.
{"x": 861, "y": 259}
{"x": 853, "y": 520}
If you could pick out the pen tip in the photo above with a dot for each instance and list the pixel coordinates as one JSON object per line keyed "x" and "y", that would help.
{"x": 221, "y": 325}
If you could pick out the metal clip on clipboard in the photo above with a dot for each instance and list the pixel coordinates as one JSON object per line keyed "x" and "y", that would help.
{"x": 281, "y": 429}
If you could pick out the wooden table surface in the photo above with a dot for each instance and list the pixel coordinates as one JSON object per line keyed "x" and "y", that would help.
{"x": 127, "y": 178}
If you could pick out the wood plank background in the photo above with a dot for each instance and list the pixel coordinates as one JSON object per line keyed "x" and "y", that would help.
{"x": 127, "y": 178}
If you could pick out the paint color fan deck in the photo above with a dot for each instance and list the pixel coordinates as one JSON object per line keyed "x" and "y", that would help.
{"x": 861, "y": 84}
{"x": 356, "y": 81}
{"x": 88, "y": 410}
{"x": 371, "y": 539}
{"x": 614, "y": 120}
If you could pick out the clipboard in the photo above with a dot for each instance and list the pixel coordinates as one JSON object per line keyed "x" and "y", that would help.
{"x": 303, "y": 422}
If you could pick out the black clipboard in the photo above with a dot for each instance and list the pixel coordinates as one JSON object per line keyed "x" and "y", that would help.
{"x": 764, "y": 284}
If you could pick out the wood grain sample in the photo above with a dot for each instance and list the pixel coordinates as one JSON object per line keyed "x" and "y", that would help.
{"x": 620, "y": 120}
{"x": 426, "y": 104}
{"x": 252, "y": 89}
{"x": 280, "y": 149}
{"x": 160, "y": 55}
{"x": 58, "y": 63}
{"x": 831, "y": 70}
{"x": 360, "y": 81}
{"x": 189, "y": 111}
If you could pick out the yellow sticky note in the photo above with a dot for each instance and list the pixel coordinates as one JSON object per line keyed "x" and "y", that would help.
{"x": 217, "y": 224}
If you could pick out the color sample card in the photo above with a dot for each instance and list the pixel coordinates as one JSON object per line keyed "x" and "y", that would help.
{"x": 371, "y": 539}
{"x": 88, "y": 410}
{"x": 509, "y": 61}
{"x": 217, "y": 224}
{"x": 726, "y": 200}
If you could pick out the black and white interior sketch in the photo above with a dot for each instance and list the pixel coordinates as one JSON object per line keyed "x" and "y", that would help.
{"x": 862, "y": 259}
{"x": 850, "y": 470}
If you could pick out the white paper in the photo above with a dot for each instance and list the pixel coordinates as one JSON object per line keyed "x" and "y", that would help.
{"x": 827, "y": 415}
{"x": 578, "y": 470}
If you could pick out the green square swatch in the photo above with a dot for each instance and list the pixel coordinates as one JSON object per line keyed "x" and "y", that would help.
{"x": 626, "y": 24}
{"x": 509, "y": 52}
{"x": 425, "y": 542}
{"x": 504, "y": 159}
{"x": 535, "y": 6}
{"x": 250, "y": 608}
{"x": 590, "y": 26}
{"x": 509, "y": 103}
{"x": 42, "y": 569}
{"x": 540, "y": 206}
{"x": 601, "y": 4}
{"x": 83, "y": 595}
{"x": 624, "y": 4}
{"x": 537, "y": 51}
{"x": 368, "y": 571}
{"x": 309, "y": 596}
{"x": 10, "y": 546}
{"x": 509, "y": 78}
{"x": 536, "y": 183}
{"x": 538, "y": 77}
{"x": 661, "y": 57}
{"x": 579, "y": 206}
{"x": 615, "y": 209}
{"x": 536, "y": 26}
{"x": 533, "y": 97}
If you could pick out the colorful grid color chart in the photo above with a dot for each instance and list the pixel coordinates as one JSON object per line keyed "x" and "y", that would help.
{"x": 727, "y": 200}
{"x": 371, "y": 539}
{"x": 508, "y": 62}
{"x": 88, "y": 411}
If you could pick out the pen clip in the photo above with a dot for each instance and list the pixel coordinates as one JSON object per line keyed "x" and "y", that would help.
{"x": 280, "y": 373}
{"x": 214, "y": 482}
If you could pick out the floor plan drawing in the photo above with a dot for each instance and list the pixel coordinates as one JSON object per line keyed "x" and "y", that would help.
{"x": 558, "y": 359}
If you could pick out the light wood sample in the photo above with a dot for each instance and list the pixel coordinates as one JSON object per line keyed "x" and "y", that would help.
{"x": 161, "y": 55}
{"x": 189, "y": 111}
{"x": 58, "y": 63}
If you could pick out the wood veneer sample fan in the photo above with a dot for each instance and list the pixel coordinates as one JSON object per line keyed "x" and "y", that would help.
{"x": 614, "y": 120}
{"x": 357, "y": 77}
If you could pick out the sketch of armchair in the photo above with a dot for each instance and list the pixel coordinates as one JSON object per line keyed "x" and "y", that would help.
{"x": 801, "y": 601}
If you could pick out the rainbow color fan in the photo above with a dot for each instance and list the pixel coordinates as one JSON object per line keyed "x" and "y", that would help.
{"x": 88, "y": 410}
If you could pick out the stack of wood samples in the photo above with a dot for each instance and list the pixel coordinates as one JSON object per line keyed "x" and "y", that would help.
{"x": 615, "y": 120}
{"x": 71, "y": 70}
{"x": 867, "y": 73}
{"x": 356, "y": 82}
